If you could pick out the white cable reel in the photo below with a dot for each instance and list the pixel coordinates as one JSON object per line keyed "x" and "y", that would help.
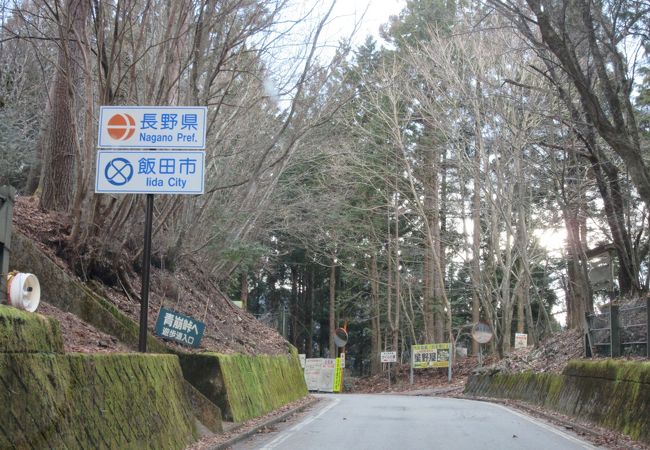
{"x": 23, "y": 291}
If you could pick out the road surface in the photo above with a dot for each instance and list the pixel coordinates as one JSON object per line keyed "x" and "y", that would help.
{"x": 377, "y": 422}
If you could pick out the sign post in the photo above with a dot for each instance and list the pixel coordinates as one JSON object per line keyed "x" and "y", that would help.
{"x": 146, "y": 270}
{"x": 388, "y": 357}
{"x": 150, "y": 171}
{"x": 340, "y": 340}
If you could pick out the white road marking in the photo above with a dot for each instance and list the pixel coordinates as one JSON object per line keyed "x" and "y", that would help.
{"x": 288, "y": 433}
{"x": 554, "y": 430}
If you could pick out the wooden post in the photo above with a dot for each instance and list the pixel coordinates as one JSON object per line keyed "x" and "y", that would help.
{"x": 7, "y": 194}
{"x": 615, "y": 333}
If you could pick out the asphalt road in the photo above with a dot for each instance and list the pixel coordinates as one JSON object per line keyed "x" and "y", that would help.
{"x": 376, "y": 422}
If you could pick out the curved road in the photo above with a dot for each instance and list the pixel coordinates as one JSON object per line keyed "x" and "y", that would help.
{"x": 377, "y": 422}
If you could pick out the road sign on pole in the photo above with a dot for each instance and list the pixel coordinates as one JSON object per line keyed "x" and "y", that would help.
{"x": 138, "y": 127}
{"x": 150, "y": 172}
{"x": 431, "y": 355}
{"x": 388, "y": 357}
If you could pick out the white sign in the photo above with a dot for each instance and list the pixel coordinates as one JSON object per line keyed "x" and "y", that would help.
{"x": 342, "y": 362}
{"x": 521, "y": 340}
{"x": 303, "y": 358}
{"x": 150, "y": 172}
{"x": 388, "y": 357}
{"x": 137, "y": 127}
{"x": 312, "y": 373}
{"x": 326, "y": 381}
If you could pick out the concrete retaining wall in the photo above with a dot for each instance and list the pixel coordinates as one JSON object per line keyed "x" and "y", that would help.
{"x": 241, "y": 386}
{"x": 24, "y": 332}
{"x": 611, "y": 393}
{"x": 245, "y": 386}
{"x": 55, "y": 400}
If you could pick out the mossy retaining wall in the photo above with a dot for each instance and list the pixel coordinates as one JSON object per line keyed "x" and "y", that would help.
{"x": 611, "y": 393}
{"x": 93, "y": 401}
{"x": 245, "y": 386}
{"x": 68, "y": 294}
{"x": 24, "y": 332}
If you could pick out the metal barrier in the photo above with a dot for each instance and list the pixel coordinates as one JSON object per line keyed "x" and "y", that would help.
{"x": 633, "y": 328}
{"x": 600, "y": 333}
{"x": 622, "y": 330}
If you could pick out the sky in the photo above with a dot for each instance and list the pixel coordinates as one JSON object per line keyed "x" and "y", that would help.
{"x": 285, "y": 58}
{"x": 377, "y": 12}
{"x": 366, "y": 15}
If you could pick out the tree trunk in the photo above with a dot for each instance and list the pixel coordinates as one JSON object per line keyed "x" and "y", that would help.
{"x": 61, "y": 143}
{"x": 294, "y": 306}
{"x": 609, "y": 186}
{"x": 375, "y": 346}
{"x": 309, "y": 350}
{"x": 332, "y": 309}
{"x": 398, "y": 284}
{"x": 476, "y": 217}
{"x": 438, "y": 230}
{"x": 579, "y": 296}
{"x": 243, "y": 289}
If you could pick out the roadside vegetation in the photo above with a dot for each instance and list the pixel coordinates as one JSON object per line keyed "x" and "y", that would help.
{"x": 482, "y": 162}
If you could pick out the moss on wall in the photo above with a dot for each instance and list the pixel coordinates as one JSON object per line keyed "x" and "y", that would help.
{"x": 615, "y": 394}
{"x": 93, "y": 401}
{"x": 67, "y": 294}
{"x": 245, "y": 386}
{"x": 25, "y": 332}
{"x": 206, "y": 412}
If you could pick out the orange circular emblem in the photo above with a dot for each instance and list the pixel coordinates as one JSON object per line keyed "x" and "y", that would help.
{"x": 121, "y": 127}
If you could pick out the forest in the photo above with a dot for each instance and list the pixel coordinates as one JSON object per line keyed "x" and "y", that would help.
{"x": 481, "y": 161}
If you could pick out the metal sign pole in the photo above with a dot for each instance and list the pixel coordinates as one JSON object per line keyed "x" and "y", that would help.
{"x": 451, "y": 360}
{"x": 389, "y": 369}
{"x": 146, "y": 269}
{"x": 411, "y": 364}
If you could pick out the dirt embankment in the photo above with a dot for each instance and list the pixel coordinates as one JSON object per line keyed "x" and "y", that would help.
{"x": 188, "y": 290}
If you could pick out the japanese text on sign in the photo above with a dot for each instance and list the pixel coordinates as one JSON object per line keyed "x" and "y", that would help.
{"x": 430, "y": 355}
{"x": 312, "y": 373}
{"x": 152, "y": 127}
{"x": 521, "y": 340}
{"x": 338, "y": 376}
{"x": 179, "y": 328}
{"x": 150, "y": 172}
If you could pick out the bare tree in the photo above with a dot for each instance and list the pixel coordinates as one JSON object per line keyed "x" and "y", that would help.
{"x": 569, "y": 30}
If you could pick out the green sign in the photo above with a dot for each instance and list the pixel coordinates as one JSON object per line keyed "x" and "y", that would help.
{"x": 174, "y": 326}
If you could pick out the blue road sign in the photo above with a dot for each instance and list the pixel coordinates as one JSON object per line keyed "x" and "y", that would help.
{"x": 150, "y": 172}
